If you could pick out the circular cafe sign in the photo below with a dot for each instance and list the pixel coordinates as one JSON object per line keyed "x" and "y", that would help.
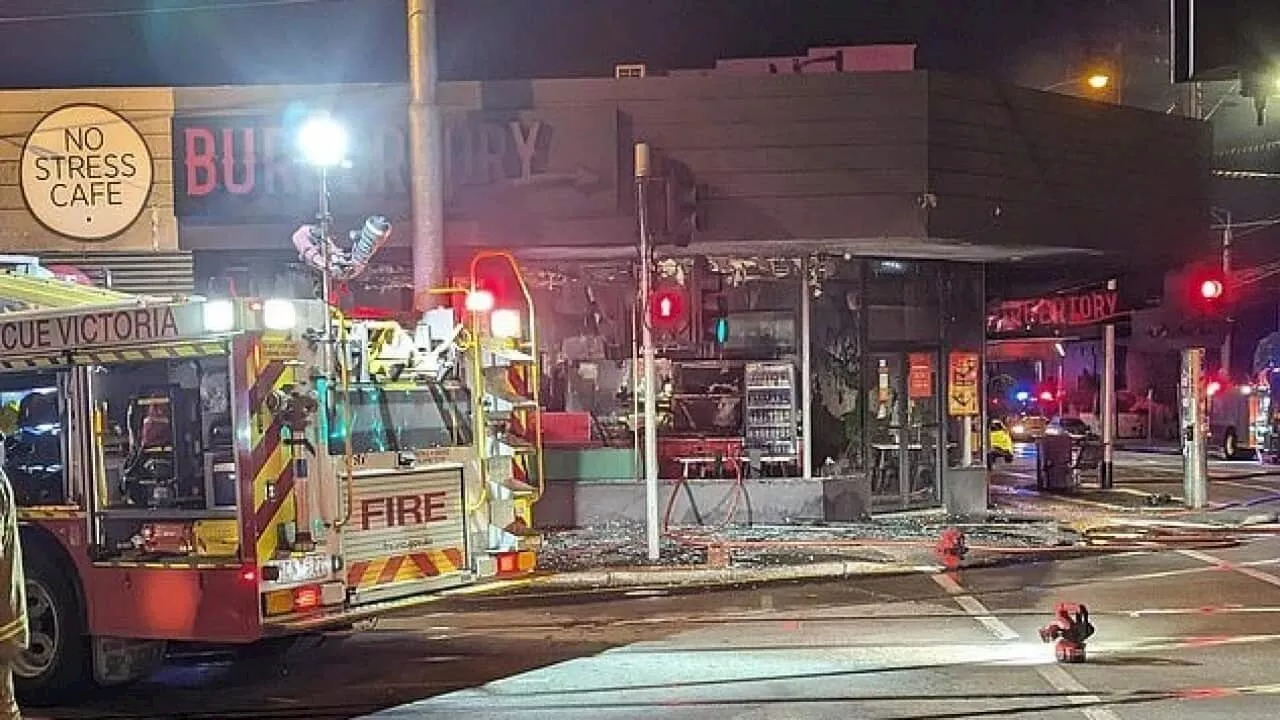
{"x": 85, "y": 172}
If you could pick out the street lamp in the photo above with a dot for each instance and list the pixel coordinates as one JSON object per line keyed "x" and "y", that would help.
{"x": 323, "y": 144}
{"x": 1096, "y": 81}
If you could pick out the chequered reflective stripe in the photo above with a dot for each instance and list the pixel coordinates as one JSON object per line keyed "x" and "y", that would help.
{"x": 34, "y": 363}
{"x": 401, "y": 568}
{"x": 273, "y": 499}
{"x": 518, "y": 376}
{"x": 520, "y": 468}
{"x": 161, "y": 352}
{"x": 49, "y": 513}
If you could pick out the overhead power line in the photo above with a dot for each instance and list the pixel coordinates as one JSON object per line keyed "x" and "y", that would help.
{"x": 136, "y": 12}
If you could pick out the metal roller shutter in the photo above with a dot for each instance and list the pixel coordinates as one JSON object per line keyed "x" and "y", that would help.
{"x": 144, "y": 273}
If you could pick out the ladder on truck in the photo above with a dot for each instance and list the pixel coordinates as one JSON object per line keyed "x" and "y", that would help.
{"x": 27, "y": 291}
{"x": 507, "y": 418}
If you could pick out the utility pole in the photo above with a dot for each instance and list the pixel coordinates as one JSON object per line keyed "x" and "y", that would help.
{"x": 643, "y": 171}
{"x": 1195, "y": 465}
{"x": 426, "y": 155}
{"x": 806, "y": 368}
{"x": 1225, "y": 357}
{"x": 1106, "y": 478}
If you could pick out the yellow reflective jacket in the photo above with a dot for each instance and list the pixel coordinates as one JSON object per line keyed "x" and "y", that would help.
{"x": 13, "y": 590}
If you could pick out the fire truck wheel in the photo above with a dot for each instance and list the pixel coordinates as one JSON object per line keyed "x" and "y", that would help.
{"x": 56, "y": 662}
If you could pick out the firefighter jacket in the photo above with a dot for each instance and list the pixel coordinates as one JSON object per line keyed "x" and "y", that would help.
{"x": 13, "y": 591}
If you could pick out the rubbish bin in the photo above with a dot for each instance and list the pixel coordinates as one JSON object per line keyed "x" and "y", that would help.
{"x": 1053, "y": 463}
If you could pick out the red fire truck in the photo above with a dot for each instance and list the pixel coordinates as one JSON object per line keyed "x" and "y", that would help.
{"x": 225, "y": 470}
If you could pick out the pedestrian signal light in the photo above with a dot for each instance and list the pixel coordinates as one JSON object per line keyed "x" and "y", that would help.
{"x": 720, "y": 330}
{"x": 667, "y": 309}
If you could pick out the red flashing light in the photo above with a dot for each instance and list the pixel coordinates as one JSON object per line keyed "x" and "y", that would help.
{"x": 480, "y": 301}
{"x": 1211, "y": 289}
{"x": 305, "y": 598}
{"x": 508, "y": 563}
{"x": 1213, "y": 388}
{"x": 1046, "y": 396}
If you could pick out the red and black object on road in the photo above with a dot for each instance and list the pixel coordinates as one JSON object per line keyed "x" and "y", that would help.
{"x": 951, "y": 548}
{"x": 1070, "y": 627}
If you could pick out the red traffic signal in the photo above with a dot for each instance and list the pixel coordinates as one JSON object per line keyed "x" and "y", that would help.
{"x": 667, "y": 309}
{"x": 1211, "y": 289}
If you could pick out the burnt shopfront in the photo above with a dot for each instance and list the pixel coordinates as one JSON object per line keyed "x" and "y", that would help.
{"x": 855, "y": 210}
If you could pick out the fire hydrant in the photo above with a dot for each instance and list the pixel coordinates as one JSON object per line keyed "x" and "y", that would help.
{"x": 951, "y": 548}
{"x": 1070, "y": 627}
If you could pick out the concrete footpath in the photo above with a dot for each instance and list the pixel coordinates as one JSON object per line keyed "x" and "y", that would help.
{"x": 1023, "y": 525}
{"x": 614, "y": 556}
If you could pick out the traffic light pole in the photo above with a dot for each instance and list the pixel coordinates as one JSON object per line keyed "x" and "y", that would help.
{"x": 652, "y": 532}
{"x": 1106, "y": 478}
{"x": 1225, "y": 357}
{"x": 1191, "y": 413}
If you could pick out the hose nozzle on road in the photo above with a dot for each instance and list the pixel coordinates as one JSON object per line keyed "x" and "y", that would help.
{"x": 1070, "y": 627}
{"x": 952, "y": 548}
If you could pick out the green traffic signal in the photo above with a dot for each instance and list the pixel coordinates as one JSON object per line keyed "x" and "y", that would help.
{"x": 721, "y": 330}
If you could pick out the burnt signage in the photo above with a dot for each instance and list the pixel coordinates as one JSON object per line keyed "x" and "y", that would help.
{"x": 1054, "y": 312}
{"x": 246, "y": 169}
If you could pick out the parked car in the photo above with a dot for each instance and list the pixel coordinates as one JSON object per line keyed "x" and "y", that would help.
{"x": 1076, "y": 428}
{"x": 1026, "y": 428}
{"x": 1000, "y": 443}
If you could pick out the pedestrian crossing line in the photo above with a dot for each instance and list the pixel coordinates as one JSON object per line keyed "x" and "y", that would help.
{"x": 1252, "y": 572}
{"x": 1054, "y": 675}
{"x": 1247, "y": 486}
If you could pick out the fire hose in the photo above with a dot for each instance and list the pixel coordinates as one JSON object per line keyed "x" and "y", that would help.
{"x": 1103, "y": 539}
{"x": 310, "y": 243}
{"x": 737, "y": 494}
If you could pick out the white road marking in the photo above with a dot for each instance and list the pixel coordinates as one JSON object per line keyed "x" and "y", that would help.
{"x": 1062, "y": 681}
{"x": 1270, "y": 490}
{"x": 975, "y": 608}
{"x": 1254, "y": 573}
{"x": 1057, "y": 677}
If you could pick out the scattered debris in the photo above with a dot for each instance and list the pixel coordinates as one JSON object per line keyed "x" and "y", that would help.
{"x": 904, "y": 538}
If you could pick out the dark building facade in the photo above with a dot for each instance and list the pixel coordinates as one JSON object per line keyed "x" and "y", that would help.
{"x": 859, "y": 210}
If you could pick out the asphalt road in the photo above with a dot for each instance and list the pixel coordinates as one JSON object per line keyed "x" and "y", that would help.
{"x": 1180, "y": 635}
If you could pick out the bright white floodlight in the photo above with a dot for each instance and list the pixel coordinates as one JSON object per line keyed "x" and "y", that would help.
{"x": 323, "y": 142}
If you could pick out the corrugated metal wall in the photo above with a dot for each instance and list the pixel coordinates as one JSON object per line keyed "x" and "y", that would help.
{"x": 150, "y": 273}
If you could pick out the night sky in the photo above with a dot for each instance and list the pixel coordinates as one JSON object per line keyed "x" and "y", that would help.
{"x": 274, "y": 41}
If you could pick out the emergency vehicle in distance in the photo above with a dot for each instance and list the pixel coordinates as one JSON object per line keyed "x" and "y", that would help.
{"x": 225, "y": 470}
